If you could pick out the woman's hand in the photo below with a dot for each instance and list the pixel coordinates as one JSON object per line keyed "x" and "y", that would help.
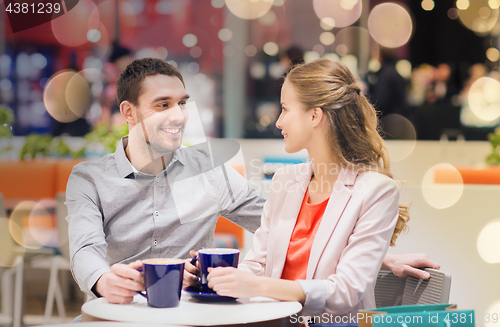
{"x": 229, "y": 281}
{"x": 406, "y": 265}
{"x": 191, "y": 272}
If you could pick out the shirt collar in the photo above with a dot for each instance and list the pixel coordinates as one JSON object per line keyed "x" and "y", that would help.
{"x": 125, "y": 168}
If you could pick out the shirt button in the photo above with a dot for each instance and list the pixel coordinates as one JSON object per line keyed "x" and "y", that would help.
{"x": 157, "y": 179}
{"x": 157, "y": 213}
{"x": 155, "y": 242}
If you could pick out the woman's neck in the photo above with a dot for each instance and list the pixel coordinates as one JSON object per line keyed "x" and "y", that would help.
{"x": 326, "y": 170}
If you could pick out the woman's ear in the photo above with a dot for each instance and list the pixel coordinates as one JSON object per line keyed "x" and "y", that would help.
{"x": 126, "y": 109}
{"x": 317, "y": 116}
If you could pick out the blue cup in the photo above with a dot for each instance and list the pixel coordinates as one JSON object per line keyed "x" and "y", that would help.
{"x": 163, "y": 282}
{"x": 211, "y": 258}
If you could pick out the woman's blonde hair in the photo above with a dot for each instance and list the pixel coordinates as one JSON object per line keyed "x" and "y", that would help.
{"x": 353, "y": 120}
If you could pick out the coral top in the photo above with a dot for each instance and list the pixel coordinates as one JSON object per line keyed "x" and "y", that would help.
{"x": 302, "y": 238}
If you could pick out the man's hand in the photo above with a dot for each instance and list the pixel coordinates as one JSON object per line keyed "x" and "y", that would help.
{"x": 191, "y": 272}
{"x": 119, "y": 284}
{"x": 406, "y": 265}
{"x": 230, "y": 281}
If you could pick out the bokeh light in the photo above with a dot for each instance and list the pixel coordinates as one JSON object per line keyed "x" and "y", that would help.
{"x": 19, "y": 225}
{"x": 452, "y": 13}
{"x": 327, "y": 38}
{"x": 493, "y": 54}
{"x": 477, "y": 15}
{"x": 343, "y": 12}
{"x": 390, "y": 25}
{"x": 268, "y": 19}
{"x": 494, "y": 4}
{"x": 8, "y": 249}
{"x": 442, "y": 186}
{"x": 71, "y": 28}
{"x": 404, "y": 68}
{"x": 195, "y": 52}
{"x": 271, "y": 48}
{"x": 488, "y": 242}
{"x": 462, "y": 4}
{"x": 331, "y": 56}
{"x": 427, "y": 5}
{"x": 484, "y": 98}
{"x": 225, "y": 34}
{"x": 319, "y": 49}
{"x": 67, "y": 96}
{"x": 93, "y": 35}
{"x": 399, "y": 128}
{"x": 311, "y": 56}
{"x": 42, "y": 226}
{"x": 251, "y": 50}
{"x": 258, "y": 70}
{"x": 327, "y": 23}
{"x": 249, "y": 9}
{"x": 189, "y": 40}
{"x": 218, "y": 3}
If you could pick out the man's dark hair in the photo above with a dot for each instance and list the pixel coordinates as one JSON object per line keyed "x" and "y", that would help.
{"x": 129, "y": 83}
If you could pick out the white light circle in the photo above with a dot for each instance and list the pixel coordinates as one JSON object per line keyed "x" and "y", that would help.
{"x": 189, "y": 40}
{"x": 442, "y": 186}
{"x": 327, "y": 38}
{"x": 249, "y": 9}
{"x": 343, "y": 12}
{"x": 271, "y": 49}
{"x": 484, "y": 98}
{"x": 488, "y": 242}
{"x": 390, "y": 25}
{"x": 225, "y": 34}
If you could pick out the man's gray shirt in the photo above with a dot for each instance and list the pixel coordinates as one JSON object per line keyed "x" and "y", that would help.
{"x": 116, "y": 214}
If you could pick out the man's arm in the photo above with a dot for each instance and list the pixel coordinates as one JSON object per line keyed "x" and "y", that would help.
{"x": 239, "y": 201}
{"x": 88, "y": 247}
{"x": 406, "y": 265}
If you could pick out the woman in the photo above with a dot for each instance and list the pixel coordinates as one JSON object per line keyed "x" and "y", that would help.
{"x": 328, "y": 223}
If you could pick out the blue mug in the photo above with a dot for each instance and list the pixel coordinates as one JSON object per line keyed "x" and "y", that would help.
{"x": 163, "y": 282}
{"x": 211, "y": 258}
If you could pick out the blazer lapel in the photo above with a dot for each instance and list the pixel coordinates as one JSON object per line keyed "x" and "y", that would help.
{"x": 339, "y": 199}
{"x": 288, "y": 218}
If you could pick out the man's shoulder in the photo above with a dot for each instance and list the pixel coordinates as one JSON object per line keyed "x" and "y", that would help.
{"x": 95, "y": 166}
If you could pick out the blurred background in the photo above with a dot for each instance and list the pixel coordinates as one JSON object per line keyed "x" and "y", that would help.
{"x": 430, "y": 67}
{"x": 428, "y": 62}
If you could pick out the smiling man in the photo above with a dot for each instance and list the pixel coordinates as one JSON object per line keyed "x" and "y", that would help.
{"x": 152, "y": 198}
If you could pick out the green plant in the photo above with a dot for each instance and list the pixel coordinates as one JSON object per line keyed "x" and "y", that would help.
{"x": 37, "y": 145}
{"x": 106, "y": 135}
{"x": 6, "y": 119}
{"x": 493, "y": 159}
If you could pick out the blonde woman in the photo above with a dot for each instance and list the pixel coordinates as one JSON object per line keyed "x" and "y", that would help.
{"x": 328, "y": 223}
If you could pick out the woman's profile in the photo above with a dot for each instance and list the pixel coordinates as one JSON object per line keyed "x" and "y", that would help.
{"x": 327, "y": 223}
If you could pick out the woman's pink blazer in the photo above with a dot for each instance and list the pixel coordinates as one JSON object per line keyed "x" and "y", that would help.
{"x": 351, "y": 241}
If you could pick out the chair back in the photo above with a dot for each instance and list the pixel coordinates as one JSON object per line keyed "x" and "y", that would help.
{"x": 394, "y": 291}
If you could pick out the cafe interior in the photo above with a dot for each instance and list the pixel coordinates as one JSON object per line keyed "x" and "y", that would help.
{"x": 439, "y": 110}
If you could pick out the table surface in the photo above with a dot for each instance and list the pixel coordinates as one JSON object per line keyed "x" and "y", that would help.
{"x": 192, "y": 312}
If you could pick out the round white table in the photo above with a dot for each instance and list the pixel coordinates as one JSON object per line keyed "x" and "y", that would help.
{"x": 192, "y": 312}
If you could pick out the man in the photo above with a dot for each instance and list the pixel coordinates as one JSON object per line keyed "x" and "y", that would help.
{"x": 152, "y": 197}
